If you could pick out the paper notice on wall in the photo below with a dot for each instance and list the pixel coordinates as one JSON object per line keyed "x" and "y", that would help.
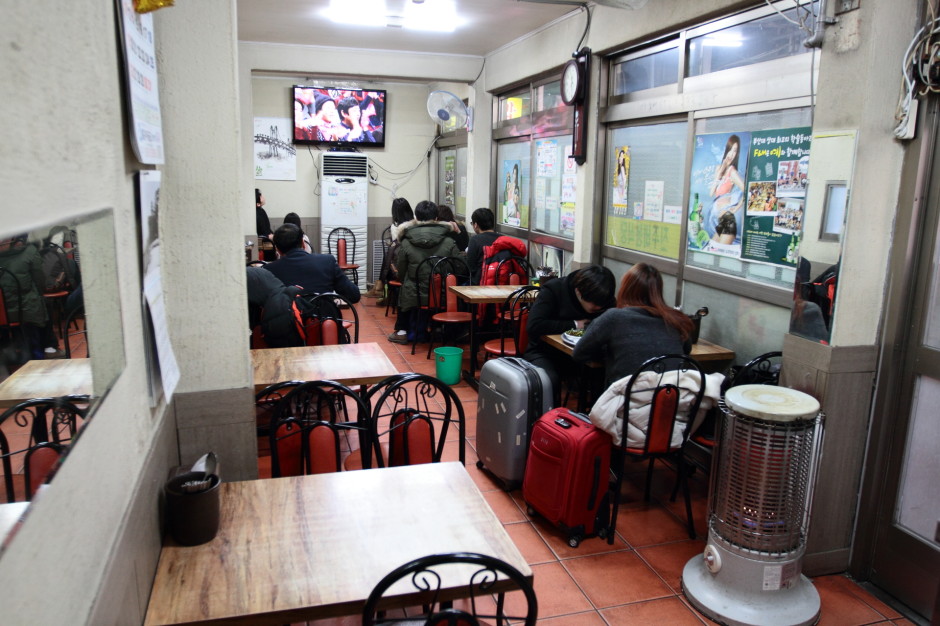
{"x": 672, "y": 214}
{"x": 653, "y": 200}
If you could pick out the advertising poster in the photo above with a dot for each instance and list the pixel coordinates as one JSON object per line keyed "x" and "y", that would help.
{"x": 275, "y": 155}
{"x": 140, "y": 60}
{"x": 717, "y": 193}
{"x": 776, "y": 195}
{"x": 512, "y": 209}
{"x": 450, "y": 166}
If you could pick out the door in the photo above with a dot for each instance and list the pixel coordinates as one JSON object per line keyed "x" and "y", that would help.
{"x": 904, "y": 474}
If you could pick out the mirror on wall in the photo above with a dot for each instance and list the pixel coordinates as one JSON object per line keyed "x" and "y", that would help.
{"x": 60, "y": 335}
{"x": 832, "y": 159}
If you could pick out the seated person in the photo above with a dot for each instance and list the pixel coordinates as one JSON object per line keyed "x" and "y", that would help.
{"x": 23, "y": 285}
{"x": 641, "y": 327}
{"x": 293, "y": 218}
{"x": 482, "y": 220}
{"x": 563, "y": 304}
{"x": 459, "y": 234}
{"x": 315, "y": 273}
{"x": 270, "y": 310}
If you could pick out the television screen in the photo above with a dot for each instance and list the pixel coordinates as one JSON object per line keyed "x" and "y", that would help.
{"x": 339, "y": 117}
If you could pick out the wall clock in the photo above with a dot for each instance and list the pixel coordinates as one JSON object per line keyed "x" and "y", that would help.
{"x": 572, "y": 82}
{"x": 574, "y": 78}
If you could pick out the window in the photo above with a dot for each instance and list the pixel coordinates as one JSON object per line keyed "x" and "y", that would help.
{"x": 515, "y": 105}
{"x": 553, "y": 200}
{"x": 512, "y": 178}
{"x": 652, "y": 69}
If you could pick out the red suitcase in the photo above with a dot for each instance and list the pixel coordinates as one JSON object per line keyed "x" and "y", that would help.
{"x": 567, "y": 474}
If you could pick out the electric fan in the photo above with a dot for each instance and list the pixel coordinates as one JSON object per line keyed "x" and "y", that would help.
{"x": 449, "y": 111}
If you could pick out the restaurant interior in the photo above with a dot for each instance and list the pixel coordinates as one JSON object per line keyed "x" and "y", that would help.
{"x": 836, "y": 149}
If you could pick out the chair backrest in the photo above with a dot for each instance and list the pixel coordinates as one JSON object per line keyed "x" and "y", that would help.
{"x": 345, "y": 237}
{"x": 267, "y": 399}
{"x": 330, "y": 306}
{"x": 423, "y": 279}
{"x": 426, "y": 578}
{"x": 78, "y": 313}
{"x": 341, "y": 251}
{"x": 308, "y": 424}
{"x": 36, "y": 421}
{"x": 386, "y": 239}
{"x": 761, "y": 370}
{"x": 425, "y": 407}
{"x": 513, "y": 271}
{"x": 672, "y": 387}
{"x": 40, "y": 464}
{"x": 514, "y": 317}
{"x": 447, "y": 272}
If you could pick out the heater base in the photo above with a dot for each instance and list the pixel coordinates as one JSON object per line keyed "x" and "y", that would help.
{"x": 726, "y": 604}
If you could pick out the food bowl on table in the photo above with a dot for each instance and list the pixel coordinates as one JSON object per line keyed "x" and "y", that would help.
{"x": 572, "y": 336}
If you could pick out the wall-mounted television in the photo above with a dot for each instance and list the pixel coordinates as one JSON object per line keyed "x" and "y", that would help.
{"x": 338, "y": 117}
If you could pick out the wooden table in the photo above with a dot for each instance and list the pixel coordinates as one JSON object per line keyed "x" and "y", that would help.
{"x": 350, "y": 364}
{"x": 47, "y": 379}
{"x": 710, "y": 356}
{"x": 476, "y": 295}
{"x": 310, "y": 547}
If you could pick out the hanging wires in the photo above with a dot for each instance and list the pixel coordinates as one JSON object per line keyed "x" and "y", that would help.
{"x": 920, "y": 72}
{"x": 587, "y": 29}
{"x": 804, "y": 13}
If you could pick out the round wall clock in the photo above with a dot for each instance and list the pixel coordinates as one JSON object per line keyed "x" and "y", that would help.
{"x": 572, "y": 82}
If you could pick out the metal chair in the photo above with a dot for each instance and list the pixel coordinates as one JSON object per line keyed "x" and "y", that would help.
{"x": 309, "y": 425}
{"x": 513, "y": 334}
{"x": 442, "y": 304}
{"x": 267, "y": 399}
{"x": 421, "y": 583}
{"x": 41, "y": 421}
{"x": 334, "y": 306}
{"x": 72, "y": 318}
{"x": 415, "y": 419}
{"x": 341, "y": 243}
{"x": 664, "y": 389}
{"x": 428, "y": 297}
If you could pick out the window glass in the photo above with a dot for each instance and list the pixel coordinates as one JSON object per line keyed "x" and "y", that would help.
{"x": 553, "y": 200}
{"x": 646, "y": 72}
{"x": 763, "y": 39}
{"x": 747, "y": 194}
{"x": 513, "y": 173}
{"x": 645, "y": 184}
{"x": 548, "y": 96}
{"x": 514, "y": 106}
{"x": 452, "y": 189}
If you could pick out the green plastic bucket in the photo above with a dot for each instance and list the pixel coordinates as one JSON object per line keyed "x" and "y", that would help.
{"x": 448, "y": 361}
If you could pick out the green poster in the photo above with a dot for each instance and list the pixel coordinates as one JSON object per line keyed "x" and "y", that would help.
{"x": 776, "y": 195}
{"x": 659, "y": 238}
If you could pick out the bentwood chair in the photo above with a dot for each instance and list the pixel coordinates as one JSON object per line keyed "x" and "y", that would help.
{"x": 442, "y": 302}
{"x": 428, "y": 298}
{"x": 334, "y": 306}
{"x": 341, "y": 243}
{"x": 666, "y": 392}
{"x": 415, "y": 419}
{"x": 421, "y": 583}
{"x": 310, "y": 429}
{"x": 513, "y": 334}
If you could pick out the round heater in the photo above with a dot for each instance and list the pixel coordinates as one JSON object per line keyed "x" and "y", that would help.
{"x": 760, "y": 494}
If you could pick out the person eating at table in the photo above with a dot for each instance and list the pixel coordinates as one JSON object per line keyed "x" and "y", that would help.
{"x": 642, "y": 326}
{"x": 564, "y": 304}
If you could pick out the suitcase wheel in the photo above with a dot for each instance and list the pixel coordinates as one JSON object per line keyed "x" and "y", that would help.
{"x": 479, "y": 464}
{"x": 574, "y": 541}
{"x": 530, "y": 511}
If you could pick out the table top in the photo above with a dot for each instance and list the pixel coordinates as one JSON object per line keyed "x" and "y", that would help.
{"x": 350, "y": 364}
{"x": 309, "y": 547}
{"x": 482, "y": 294}
{"x": 703, "y": 350}
{"x": 47, "y": 378}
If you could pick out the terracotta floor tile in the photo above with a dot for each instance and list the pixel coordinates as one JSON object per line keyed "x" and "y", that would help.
{"x": 484, "y": 481}
{"x": 661, "y": 611}
{"x": 557, "y": 592}
{"x": 504, "y": 507}
{"x": 668, "y": 560}
{"x": 841, "y": 606}
{"x": 558, "y": 541}
{"x": 849, "y": 585}
{"x": 589, "y": 618}
{"x": 616, "y": 578}
{"x": 530, "y": 543}
{"x": 649, "y": 524}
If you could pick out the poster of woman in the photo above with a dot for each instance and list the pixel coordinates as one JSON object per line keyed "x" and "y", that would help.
{"x": 512, "y": 194}
{"x": 621, "y": 173}
{"x": 717, "y": 181}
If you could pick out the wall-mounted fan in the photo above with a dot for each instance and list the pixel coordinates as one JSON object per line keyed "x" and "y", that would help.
{"x": 449, "y": 111}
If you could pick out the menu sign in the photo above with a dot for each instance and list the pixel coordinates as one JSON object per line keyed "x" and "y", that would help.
{"x": 140, "y": 60}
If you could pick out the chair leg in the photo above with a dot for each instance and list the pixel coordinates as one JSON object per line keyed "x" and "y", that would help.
{"x": 649, "y": 480}
{"x": 684, "y": 477}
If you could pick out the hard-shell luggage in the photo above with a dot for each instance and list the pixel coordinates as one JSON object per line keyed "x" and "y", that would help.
{"x": 567, "y": 474}
{"x": 513, "y": 393}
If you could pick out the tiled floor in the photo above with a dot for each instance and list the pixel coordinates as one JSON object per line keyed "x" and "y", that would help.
{"x": 637, "y": 579}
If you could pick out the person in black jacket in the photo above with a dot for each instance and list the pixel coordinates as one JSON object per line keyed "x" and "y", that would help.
{"x": 316, "y": 273}
{"x": 483, "y": 221}
{"x": 563, "y": 304}
{"x": 269, "y": 308}
{"x": 460, "y": 236}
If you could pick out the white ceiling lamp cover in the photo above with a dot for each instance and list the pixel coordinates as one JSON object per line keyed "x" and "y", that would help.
{"x": 617, "y": 4}
{"x": 449, "y": 111}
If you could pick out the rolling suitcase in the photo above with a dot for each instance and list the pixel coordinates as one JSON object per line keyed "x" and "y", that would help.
{"x": 567, "y": 474}
{"x": 513, "y": 393}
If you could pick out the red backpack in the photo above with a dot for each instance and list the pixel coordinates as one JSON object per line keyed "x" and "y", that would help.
{"x": 497, "y": 272}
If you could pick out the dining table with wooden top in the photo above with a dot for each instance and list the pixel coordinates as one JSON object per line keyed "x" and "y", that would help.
{"x": 47, "y": 378}
{"x": 353, "y": 364}
{"x": 312, "y": 547}
{"x": 475, "y": 295}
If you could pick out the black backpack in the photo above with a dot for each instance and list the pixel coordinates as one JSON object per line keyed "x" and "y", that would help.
{"x": 60, "y": 270}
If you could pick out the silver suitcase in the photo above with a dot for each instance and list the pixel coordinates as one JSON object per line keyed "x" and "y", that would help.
{"x": 513, "y": 394}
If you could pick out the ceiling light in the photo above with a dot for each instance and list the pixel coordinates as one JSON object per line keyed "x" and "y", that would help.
{"x": 356, "y": 12}
{"x": 433, "y": 15}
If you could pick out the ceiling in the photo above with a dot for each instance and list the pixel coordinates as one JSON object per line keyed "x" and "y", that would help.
{"x": 490, "y": 24}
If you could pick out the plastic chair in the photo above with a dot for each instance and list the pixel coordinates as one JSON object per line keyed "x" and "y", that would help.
{"x": 41, "y": 420}
{"x": 341, "y": 243}
{"x": 446, "y": 273}
{"x": 415, "y": 419}
{"x": 513, "y": 334}
{"x": 658, "y": 384}
{"x": 422, "y": 581}
{"x": 309, "y": 425}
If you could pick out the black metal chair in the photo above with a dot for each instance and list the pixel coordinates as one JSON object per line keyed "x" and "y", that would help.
{"x": 425, "y": 587}
{"x": 267, "y": 399}
{"x": 334, "y": 306}
{"x": 665, "y": 387}
{"x": 443, "y": 307}
{"x": 41, "y": 421}
{"x": 513, "y": 334}
{"x": 309, "y": 426}
{"x": 428, "y": 295}
{"x": 415, "y": 419}
{"x": 80, "y": 334}
{"x": 341, "y": 243}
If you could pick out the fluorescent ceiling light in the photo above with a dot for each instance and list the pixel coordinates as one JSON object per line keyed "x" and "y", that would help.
{"x": 428, "y": 15}
{"x": 357, "y": 12}
{"x": 432, "y": 15}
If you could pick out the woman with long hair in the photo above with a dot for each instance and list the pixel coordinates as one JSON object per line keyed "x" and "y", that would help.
{"x": 727, "y": 189}
{"x": 641, "y": 327}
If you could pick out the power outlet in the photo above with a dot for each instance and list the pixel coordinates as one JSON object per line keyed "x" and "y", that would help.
{"x": 844, "y": 6}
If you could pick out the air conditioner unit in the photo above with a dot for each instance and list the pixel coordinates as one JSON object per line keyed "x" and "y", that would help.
{"x": 344, "y": 201}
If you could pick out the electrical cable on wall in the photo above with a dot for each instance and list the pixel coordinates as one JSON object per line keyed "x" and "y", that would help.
{"x": 406, "y": 176}
{"x": 920, "y": 73}
{"x": 587, "y": 29}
